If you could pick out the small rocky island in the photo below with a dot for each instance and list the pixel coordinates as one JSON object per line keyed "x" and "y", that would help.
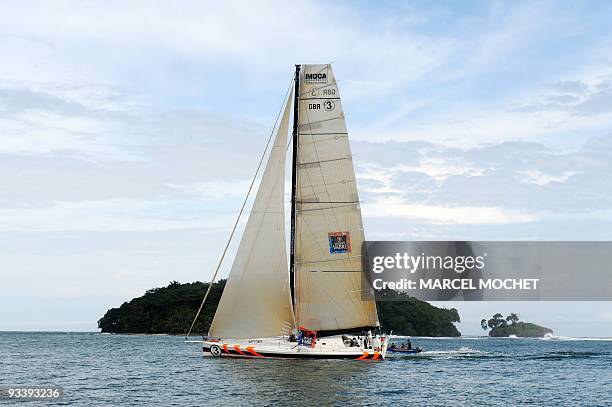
{"x": 170, "y": 310}
{"x": 505, "y": 327}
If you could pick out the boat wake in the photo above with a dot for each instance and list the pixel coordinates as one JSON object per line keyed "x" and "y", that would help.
{"x": 549, "y": 337}
{"x": 472, "y": 354}
{"x": 464, "y": 350}
{"x": 440, "y": 354}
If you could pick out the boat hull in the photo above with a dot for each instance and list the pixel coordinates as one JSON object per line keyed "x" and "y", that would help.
{"x": 404, "y": 352}
{"x": 287, "y": 350}
{"x": 297, "y": 355}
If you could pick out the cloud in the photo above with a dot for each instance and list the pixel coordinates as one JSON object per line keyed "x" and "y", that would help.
{"x": 471, "y": 126}
{"x": 39, "y": 122}
{"x": 569, "y": 86}
{"x": 504, "y": 183}
{"x": 446, "y": 215}
{"x": 539, "y": 178}
{"x": 215, "y": 189}
{"x": 259, "y": 35}
{"x": 404, "y": 55}
{"x": 114, "y": 215}
{"x": 577, "y": 98}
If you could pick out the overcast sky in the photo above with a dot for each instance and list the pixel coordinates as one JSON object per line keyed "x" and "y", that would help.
{"x": 129, "y": 132}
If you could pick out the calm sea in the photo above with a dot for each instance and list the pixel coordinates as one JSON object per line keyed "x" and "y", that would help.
{"x": 118, "y": 370}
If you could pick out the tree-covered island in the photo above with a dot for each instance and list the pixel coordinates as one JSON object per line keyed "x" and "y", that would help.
{"x": 504, "y": 327}
{"x": 170, "y": 310}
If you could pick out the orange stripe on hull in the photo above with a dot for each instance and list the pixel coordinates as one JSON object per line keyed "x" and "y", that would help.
{"x": 252, "y": 351}
{"x": 376, "y": 355}
{"x": 225, "y": 348}
{"x": 364, "y": 356}
{"x": 237, "y": 349}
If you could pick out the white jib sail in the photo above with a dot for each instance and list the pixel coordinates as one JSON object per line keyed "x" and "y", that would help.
{"x": 256, "y": 301}
{"x": 331, "y": 293}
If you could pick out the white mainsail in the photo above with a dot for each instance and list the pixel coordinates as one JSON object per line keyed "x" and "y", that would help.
{"x": 330, "y": 290}
{"x": 256, "y": 301}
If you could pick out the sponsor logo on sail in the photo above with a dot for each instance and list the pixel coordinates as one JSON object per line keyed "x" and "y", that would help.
{"x": 339, "y": 242}
{"x": 315, "y": 77}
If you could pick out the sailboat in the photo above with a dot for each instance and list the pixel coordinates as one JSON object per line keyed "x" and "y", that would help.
{"x": 318, "y": 303}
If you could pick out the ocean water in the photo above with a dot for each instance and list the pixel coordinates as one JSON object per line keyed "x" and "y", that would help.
{"x": 123, "y": 370}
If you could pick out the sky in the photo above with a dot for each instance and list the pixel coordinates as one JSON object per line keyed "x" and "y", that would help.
{"x": 129, "y": 133}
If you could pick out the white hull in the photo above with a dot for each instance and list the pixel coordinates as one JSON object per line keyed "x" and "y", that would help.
{"x": 331, "y": 347}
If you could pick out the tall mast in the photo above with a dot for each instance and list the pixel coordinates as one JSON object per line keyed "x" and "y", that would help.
{"x": 294, "y": 164}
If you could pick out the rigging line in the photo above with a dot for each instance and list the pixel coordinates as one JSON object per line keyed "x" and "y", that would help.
{"x": 328, "y": 261}
{"x": 310, "y": 124}
{"x": 330, "y": 208}
{"x": 325, "y": 161}
{"x": 332, "y": 133}
{"x": 322, "y": 98}
{"x": 328, "y": 202}
{"x": 246, "y": 198}
{"x": 342, "y": 182}
{"x": 277, "y": 175}
{"x": 342, "y": 271}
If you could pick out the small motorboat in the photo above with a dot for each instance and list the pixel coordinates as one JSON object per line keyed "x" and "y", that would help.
{"x": 406, "y": 351}
{"x": 405, "y": 348}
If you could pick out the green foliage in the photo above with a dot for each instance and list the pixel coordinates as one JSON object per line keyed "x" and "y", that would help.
{"x": 483, "y": 324}
{"x": 168, "y": 310}
{"x": 512, "y": 318}
{"x": 497, "y": 321}
{"x": 521, "y": 329}
{"x": 405, "y": 315}
{"x": 501, "y": 327}
{"x": 417, "y": 318}
{"x": 171, "y": 310}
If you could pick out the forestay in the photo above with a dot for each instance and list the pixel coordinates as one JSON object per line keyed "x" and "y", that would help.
{"x": 256, "y": 301}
